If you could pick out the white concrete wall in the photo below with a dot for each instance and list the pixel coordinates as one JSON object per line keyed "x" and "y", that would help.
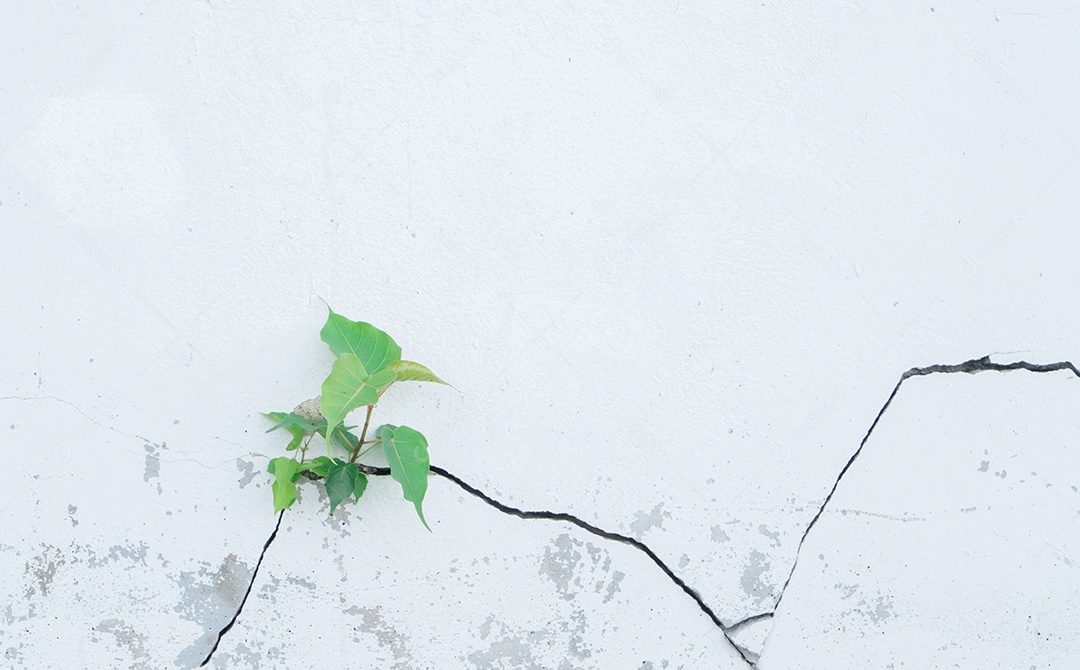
{"x": 673, "y": 256}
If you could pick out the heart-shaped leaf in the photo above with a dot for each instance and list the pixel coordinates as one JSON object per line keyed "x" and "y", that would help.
{"x": 409, "y": 371}
{"x": 406, "y": 451}
{"x": 286, "y": 471}
{"x": 350, "y": 386}
{"x": 340, "y": 482}
{"x": 373, "y": 347}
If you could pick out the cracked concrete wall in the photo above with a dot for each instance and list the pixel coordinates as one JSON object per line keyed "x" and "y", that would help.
{"x": 957, "y": 565}
{"x": 673, "y": 255}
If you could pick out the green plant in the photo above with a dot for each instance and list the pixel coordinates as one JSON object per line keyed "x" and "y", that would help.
{"x": 368, "y": 362}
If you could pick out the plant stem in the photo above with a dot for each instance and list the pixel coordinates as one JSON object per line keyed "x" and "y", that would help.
{"x": 303, "y": 448}
{"x": 363, "y": 434}
{"x": 376, "y": 442}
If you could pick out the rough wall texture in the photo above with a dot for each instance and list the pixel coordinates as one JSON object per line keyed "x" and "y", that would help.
{"x": 674, "y": 256}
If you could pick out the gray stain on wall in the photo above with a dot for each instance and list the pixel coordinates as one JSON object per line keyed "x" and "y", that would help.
{"x": 882, "y": 609}
{"x": 43, "y": 567}
{"x": 153, "y": 462}
{"x": 126, "y": 638}
{"x": 373, "y": 623}
{"x": 559, "y": 565}
{"x": 752, "y": 582}
{"x": 133, "y": 553}
{"x": 570, "y": 570}
{"x": 520, "y": 648}
{"x": 15, "y": 655}
{"x": 613, "y": 585}
{"x": 210, "y": 598}
{"x": 41, "y": 570}
{"x": 643, "y": 522}
{"x": 247, "y": 471}
{"x": 242, "y": 653}
{"x": 774, "y": 536}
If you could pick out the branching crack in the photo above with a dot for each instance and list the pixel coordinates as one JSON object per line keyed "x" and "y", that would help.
{"x": 971, "y": 367}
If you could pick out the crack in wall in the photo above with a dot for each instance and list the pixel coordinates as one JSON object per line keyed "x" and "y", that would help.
{"x": 72, "y": 406}
{"x": 972, "y": 366}
{"x": 748, "y": 656}
{"x": 521, "y": 514}
{"x": 599, "y": 532}
{"x": 243, "y": 601}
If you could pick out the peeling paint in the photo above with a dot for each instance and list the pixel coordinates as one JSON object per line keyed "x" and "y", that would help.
{"x": 566, "y": 567}
{"x": 133, "y": 553}
{"x": 15, "y": 655}
{"x": 247, "y": 472}
{"x": 250, "y": 657}
{"x": 209, "y": 597}
{"x": 520, "y": 649}
{"x": 882, "y": 609}
{"x": 613, "y": 586}
{"x": 43, "y": 567}
{"x": 752, "y": 580}
{"x": 774, "y": 536}
{"x": 274, "y": 583}
{"x": 373, "y": 623}
{"x": 126, "y": 638}
{"x": 153, "y": 462}
{"x": 643, "y": 522}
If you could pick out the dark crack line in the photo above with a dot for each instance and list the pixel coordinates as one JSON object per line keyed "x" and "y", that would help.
{"x": 750, "y": 619}
{"x": 973, "y": 366}
{"x": 584, "y": 525}
{"x": 254, "y": 573}
{"x": 600, "y": 532}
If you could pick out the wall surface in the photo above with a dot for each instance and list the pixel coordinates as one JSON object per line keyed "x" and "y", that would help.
{"x": 674, "y": 257}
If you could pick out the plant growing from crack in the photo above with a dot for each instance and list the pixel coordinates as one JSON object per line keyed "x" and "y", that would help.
{"x": 368, "y": 362}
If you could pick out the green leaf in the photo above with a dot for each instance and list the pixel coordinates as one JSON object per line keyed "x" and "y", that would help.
{"x": 350, "y": 386}
{"x": 408, "y": 371}
{"x": 373, "y": 347}
{"x": 297, "y": 432}
{"x": 297, "y": 425}
{"x": 292, "y": 420}
{"x": 360, "y": 486}
{"x": 340, "y": 482}
{"x": 406, "y": 451}
{"x": 344, "y": 438}
{"x": 286, "y": 471}
{"x": 319, "y": 465}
